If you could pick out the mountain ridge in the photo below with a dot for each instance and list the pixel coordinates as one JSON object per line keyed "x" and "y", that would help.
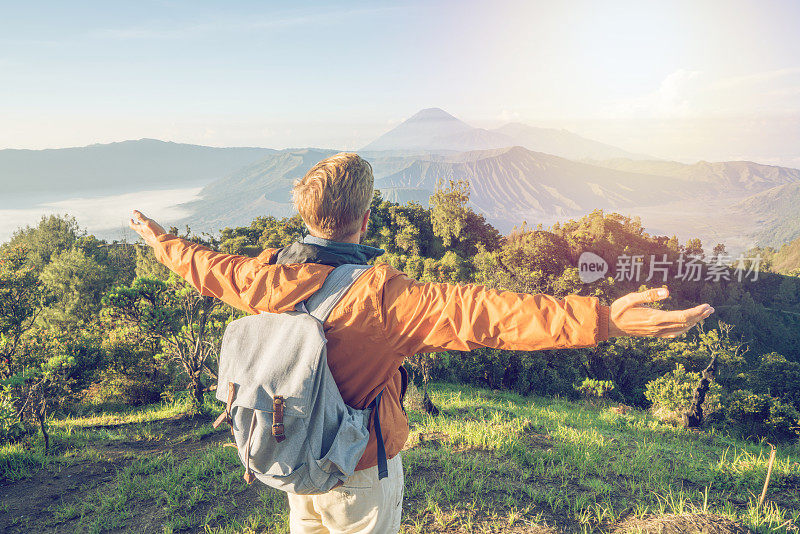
{"x": 512, "y": 184}
{"x": 746, "y": 201}
{"x": 119, "y": 167}
{"x": 436, "y": 129}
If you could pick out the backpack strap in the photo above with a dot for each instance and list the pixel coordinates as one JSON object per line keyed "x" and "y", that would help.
{"x": 383, "y": 468}
{"x": 320, "y": 306}
{"x": 336, "y": 285}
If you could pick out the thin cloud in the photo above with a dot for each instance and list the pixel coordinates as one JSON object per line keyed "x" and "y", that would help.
{"x": 756, "y": 78}
{"x": 674, "y": 98}
{"x": 164, "y": 31}
{"x": 686, "y": 94}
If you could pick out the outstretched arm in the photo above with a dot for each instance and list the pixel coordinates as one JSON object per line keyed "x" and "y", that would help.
{"x": 249, "y": 284}
{"x": 426, "y": 317}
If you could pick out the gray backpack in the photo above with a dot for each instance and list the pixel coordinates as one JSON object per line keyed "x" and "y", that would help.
{"x": 290, "y": 425}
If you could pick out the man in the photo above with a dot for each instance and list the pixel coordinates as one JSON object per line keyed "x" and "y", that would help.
{"x": 385, "y": 317}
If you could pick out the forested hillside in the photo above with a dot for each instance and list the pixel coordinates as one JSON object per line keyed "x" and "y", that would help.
{"x": 90, "y": 329}
{"x": 87, "y": 321}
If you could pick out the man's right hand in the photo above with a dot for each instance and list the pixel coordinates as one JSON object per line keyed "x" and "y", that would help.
{"x": 629, "y": 318}
{"x": 148, "y": 229}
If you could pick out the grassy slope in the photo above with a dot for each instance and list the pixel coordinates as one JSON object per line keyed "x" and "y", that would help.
{"x": 491, "y": 462}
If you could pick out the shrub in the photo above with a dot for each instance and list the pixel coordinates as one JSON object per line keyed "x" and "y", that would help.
{"x": 546, "y": 373}
{"x": 116, "y": 388}
{"x": 776, "y": 376}
{"x": 762, "y": 415}
{"x": 11, "y": 428}
{"x": 592, "y": 389}
{"x": 671, "y": 395}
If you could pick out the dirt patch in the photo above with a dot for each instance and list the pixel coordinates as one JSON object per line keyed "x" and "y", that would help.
{"x": 680, "y": 524}
{"x": 790, "y": 483}
{"x": 532, "y": 440}
{"x": 26, "y": 502}
{"x": 151, "y": 517}
{"x": 176, "y": 436}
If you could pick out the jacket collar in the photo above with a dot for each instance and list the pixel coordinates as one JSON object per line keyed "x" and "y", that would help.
{"x": 334, "y": 253}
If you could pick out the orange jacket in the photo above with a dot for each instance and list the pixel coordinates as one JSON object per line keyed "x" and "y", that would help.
{"x": 385, "y": 317}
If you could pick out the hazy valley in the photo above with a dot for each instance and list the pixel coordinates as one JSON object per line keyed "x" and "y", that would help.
{"x": 516, "y": 173}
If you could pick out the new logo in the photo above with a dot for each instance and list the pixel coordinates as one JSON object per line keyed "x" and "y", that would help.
{"x": 591, "y": 267}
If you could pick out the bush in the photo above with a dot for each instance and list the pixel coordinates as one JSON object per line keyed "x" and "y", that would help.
{"x": 116, "y": 388}
{"x": 776, "y": 376}
{"x": 11, "y": 428}
{"x": 592, "y": 389}
{"x": 761, "y": 415}
{"x": 671, "y": 395}
{"x": 546, "y": 373}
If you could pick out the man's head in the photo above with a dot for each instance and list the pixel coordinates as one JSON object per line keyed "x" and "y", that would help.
{"x": 334, "y": 196}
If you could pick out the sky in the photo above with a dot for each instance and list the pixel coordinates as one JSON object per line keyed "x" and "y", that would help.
{"x": 682, "y": 80}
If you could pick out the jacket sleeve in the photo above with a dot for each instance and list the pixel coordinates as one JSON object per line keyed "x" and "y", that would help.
{"x": 427, "y": 317}
{"x": 249, "y": 284}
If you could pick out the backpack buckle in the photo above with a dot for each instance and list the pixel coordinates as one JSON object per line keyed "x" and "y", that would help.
{"x": 277, "y": 418}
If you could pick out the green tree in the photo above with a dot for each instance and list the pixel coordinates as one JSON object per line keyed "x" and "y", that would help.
{"x": 693, "y": 247}
{"x": 459, "y": 227}
{"x": 118, "y": 257}
{"x": 41, "y": 382}
{"x": 776, "y": 376}
{"x": 263, "y": 233}
{"x": 53, "y": 234}
{"x": 721, "y": 342}
{"x": 380, "y": 222}
{"x": 76, "y": 283}
{"x": 527, "y": 262}
{"x": 147, "y": 266}
{"x": 449, "y": 211}
{"x": 21, "y": 301}
{"x": 412, "y": 231}
{"x": 185, "y": 326}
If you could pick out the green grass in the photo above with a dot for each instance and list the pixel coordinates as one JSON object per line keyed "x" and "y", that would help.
{"x": 602, "y": 466}
{"x": 73, "y": 439}
{"x": 490, "y": 462}
{"x": 125, "y": 415}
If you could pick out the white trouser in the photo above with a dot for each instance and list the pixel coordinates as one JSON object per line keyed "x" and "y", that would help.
{"x": 362, "y": 505}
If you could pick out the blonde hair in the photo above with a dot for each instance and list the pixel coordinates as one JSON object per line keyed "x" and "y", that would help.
{"x": 334, "y": 195}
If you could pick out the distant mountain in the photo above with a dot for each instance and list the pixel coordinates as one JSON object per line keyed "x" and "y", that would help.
{"x": 114, "y": 168}
{"x": 562, "y": 143}
{"x": 512, "y": 184}
{"x": 728, "y": 178}
{"x": 434, "y": 129}
{"x": 738, "y": 203}
{"x": 508, "y": 185}
{"x": 775, "y": 213}
{"x": 262, "y": 188}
